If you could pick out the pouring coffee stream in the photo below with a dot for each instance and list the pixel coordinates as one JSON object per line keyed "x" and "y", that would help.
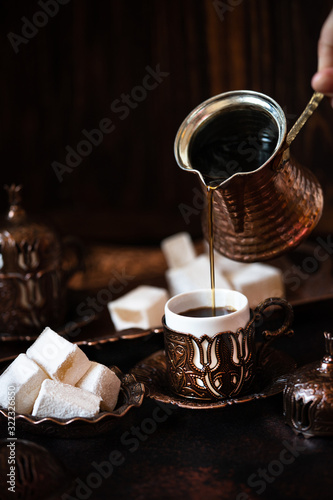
{"x": 210, "y": 191}
{"x": 260, "y": 203}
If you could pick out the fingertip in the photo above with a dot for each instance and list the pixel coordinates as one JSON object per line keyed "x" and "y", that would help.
{"x": 316, "y": 81}
{"x": 322, "y": 81}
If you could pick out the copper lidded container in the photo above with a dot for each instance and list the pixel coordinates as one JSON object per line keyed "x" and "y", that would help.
{"x": 308, "y": 396}
{"x": 32, "y": 277}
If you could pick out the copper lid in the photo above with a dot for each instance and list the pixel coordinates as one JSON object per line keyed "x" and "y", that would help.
{"x": 26, "y": 245}
{"x": 308, "y": 396}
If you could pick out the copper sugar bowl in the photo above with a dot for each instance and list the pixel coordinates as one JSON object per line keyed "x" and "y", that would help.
{"x": 32, "y": 278}
{"x": 308, "y": 396}
{"x": 264, "y": 203}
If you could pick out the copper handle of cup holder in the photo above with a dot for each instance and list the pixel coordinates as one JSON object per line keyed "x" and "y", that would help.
{"x": 283, "y": 330}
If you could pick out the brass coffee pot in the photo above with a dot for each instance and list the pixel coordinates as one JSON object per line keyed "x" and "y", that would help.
{"x": 264, "y": 202}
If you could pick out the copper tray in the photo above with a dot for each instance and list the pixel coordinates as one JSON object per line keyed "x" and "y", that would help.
{"x": 92, "y": 332}
{"x": 270, "y": 380}
{"x": 131, "y": 395}
{"x": 148, "y": 267}
{"x": 307, "y": 270}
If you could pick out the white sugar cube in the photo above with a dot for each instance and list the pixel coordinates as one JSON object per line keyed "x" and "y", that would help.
{"x": 227, "y": 266}
{"x": 24, "y": 377}
{"x": 223, "y": 264}
{"x": 142, "y": 307}
{"x": 195, "y": 275}
{"x": 100, "y": 380}
{"x": 61, "y": 360}
{"x": 178, "y": 250}
{"x": 258, "y": 282}
{"x": 59, "y": 400}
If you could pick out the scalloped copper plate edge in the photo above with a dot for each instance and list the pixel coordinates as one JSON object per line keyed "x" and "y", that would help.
{"x": 128, "y": 334}
{"x": 153, "y": 368}
{"x": 76, "y": 323}
{"x": 133, "y": 393}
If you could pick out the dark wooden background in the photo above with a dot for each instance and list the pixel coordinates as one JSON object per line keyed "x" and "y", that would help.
{"x": 65, "y": 78}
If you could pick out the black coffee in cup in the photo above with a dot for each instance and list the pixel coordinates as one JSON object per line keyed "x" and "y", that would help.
{"x": 207, "y": 312}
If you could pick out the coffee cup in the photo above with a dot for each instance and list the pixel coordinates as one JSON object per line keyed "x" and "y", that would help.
{"x": 215, "y": 357}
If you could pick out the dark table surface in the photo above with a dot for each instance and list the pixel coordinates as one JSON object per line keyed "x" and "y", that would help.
{"x": 237, "y": 452}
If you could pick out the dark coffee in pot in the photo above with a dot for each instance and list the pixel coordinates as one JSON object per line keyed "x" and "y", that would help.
{"x": 232, "y": 142}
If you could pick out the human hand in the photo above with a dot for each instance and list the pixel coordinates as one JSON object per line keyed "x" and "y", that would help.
{"x": 322, "y": 81}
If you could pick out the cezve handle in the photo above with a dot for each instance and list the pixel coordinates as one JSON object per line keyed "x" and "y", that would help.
{"x": 310, "y": 108}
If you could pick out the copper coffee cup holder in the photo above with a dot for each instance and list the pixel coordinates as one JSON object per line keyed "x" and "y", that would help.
{"x": 223, "y": 365}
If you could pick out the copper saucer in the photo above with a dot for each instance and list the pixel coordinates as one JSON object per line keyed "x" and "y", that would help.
{"x": 270, "y": 380}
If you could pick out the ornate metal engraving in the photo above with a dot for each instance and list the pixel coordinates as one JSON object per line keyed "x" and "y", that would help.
{"x": 308, "y": 396}
{"x": 32, "y": 275}
{"x": 210, "y": 367}
{"x": 270, "y": 379}
{"x": 224, "y": 365}
{"x": 38, "y": 473}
